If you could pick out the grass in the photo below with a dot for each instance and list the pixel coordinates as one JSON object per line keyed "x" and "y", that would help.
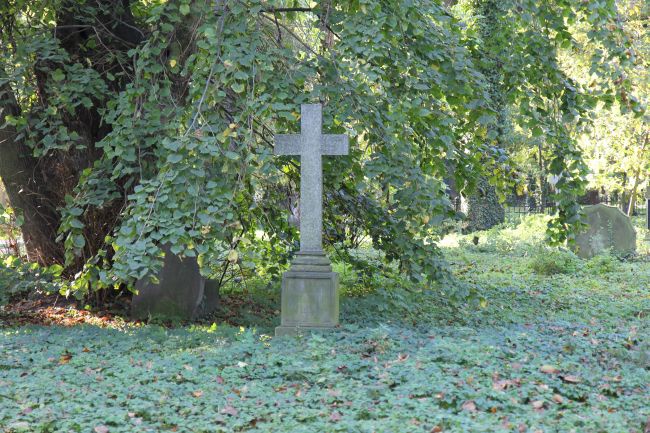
{"x": 544, "y": 352}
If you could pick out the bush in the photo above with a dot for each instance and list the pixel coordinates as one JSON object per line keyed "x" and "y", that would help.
{"x": 552, "y": 261}
{"x": 602, "y": 264}
{"x": 525, "y": 234}
{"x": 18, "y": 278}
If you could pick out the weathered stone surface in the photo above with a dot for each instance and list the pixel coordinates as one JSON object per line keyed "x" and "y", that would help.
{"x": 211, "y": 298}
{"x": 310, "y": 299}
{"x": 311, "y": 145}
{"x": 608, "y": 228}
{"x": 178, "y": 294}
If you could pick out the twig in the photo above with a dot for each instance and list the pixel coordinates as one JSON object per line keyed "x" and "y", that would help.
{"x": 280, "y": 10}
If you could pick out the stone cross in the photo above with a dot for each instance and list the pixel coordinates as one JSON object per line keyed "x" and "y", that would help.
{"x": 311, "y": 145}
{"x": 310, "y": 297}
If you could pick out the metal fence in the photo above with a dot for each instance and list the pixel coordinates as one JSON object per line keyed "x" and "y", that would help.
{"x": 518, "y": 206}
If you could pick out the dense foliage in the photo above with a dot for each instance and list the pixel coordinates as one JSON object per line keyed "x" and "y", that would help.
{"x": 148, "y": 123}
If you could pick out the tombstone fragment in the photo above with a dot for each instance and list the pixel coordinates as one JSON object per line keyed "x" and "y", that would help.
{"x": 310, "y": 297}
{"x": 609, "y": 228}
{"x": 181, "y": 293}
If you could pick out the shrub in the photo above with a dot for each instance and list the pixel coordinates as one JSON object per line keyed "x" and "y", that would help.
{"x": 552, "y": 261}
{"x": 602, "y": 264}
{"x": 18, "y": 278}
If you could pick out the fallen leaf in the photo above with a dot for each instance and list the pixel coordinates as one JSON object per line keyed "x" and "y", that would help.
{"x": 538, "y": 404}
{"x": 571, "y": 379}
{"x": 101, "y": 429}
{"x": 548, "y": 369}
{"x": 335, "y": 416}
{"x": 436, "y": 429}
{"x": 197, "y": 394}
{"x": 229, "y": 410}
{"x": 500, "y": 385}
{"x": 469, "y": 406}
{"x": 558, "y": 398}
{"x": 65, "y": 358}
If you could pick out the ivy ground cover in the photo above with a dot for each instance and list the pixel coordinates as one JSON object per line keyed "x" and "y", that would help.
{"x": 565, "y": 352}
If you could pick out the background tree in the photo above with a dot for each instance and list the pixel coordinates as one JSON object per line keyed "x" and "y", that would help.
{"x": 483, "y": 208}
{"x": 127, "y": 125}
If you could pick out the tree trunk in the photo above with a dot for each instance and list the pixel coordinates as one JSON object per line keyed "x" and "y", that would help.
{"x": 21, "y": 177}
{"x": 483, "y": 209}
{"x": 37, "y": 187}
{"x": 637, "y": 179}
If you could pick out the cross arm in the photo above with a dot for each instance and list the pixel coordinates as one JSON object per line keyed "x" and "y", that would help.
{"x": 287, "y": 144}
{"x": 335, "y": 145}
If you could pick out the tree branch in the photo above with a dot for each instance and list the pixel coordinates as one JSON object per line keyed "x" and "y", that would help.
{"x": 281, "y": 10}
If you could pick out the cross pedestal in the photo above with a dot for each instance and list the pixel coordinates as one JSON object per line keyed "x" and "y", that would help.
{"x": 310, "y": 296}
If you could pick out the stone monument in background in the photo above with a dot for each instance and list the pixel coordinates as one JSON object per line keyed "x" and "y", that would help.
{"x": 609, "y": 228}
{"x": 310, "y": 296}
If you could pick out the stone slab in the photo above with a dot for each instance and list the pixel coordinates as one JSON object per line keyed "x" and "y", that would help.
{"x": 609, "y": 228}
{"x": 211, "y": 298}
{"x": 177, "y": 295}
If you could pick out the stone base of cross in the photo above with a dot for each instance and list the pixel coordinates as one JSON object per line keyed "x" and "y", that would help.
{"x": 310, "y": 295}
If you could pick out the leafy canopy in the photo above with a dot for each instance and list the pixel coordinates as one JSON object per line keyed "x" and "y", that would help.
{"x": 192, "y": 109}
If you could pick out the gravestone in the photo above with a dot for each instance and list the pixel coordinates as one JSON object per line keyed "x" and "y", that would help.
{"x": 609, "y": 228}
{"x": 180, "y": 293}
{"x": 310, "y": 296}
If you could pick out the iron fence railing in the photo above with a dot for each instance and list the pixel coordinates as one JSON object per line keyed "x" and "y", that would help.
{"x": 518, "y": 206}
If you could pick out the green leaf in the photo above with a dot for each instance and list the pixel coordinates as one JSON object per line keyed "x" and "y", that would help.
{"x": 79, "y": 241}
{"x": 232, "y": 155}
{"x": 174, "y": 158}
{"x": 238, "y": 87}
{"x": 58, "y": 75}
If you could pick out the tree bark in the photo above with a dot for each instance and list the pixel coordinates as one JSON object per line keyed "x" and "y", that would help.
{"x": 20, "y": 174}
{"x": 637, "y": 178}
{"x": 37, "y": 187}
{"x": 483, "y": 209}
